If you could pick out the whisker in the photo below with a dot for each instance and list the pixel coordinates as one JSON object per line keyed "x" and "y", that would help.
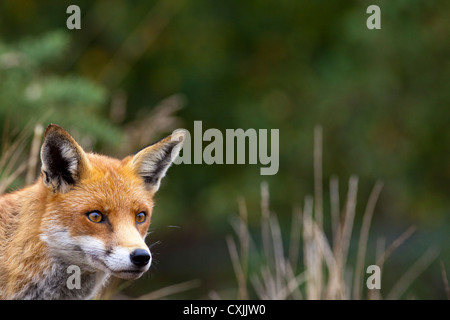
{"x": 153, "y": 244}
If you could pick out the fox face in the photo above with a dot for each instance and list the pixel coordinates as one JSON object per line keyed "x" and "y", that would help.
{"x": 98, "y": 209}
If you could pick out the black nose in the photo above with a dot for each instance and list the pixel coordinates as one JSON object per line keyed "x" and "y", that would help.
{"x": 140, "y": 257}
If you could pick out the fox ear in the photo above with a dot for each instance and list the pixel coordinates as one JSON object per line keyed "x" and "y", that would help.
{"x": 62, "y": 159}
{"x": 152, "y": 163}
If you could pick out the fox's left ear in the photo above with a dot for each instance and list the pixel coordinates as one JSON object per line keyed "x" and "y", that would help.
{"x": 152, "y": 163}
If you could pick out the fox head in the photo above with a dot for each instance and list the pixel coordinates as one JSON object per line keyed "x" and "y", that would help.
{"x": 98, "y": 209}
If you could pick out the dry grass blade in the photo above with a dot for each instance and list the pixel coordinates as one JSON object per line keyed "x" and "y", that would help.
{"x": 213, "y": 295}
{"x": 33, "y": 158}
{"x": 294, "y": 282}
{"x": 416, "y": 269}
{"x": 259, "y": 288}
{"x": 397, "y": 242}
{"x": 292, "y": 287}
{"x": 379, "y": 252}
{"x": 445, "y": 279}
{"x": 318, "y": 189}
{"x": 269, "y": 281}
{"x": 242, "y": 284}
{"x": 265, "y": 215}
{"x": 294, "y": 247}
{"x": 10, "y": 165}
{"x": 324, "y": 247}
{"x": 244, "y": 237}
{"x": 364, "y": 235}
{"x": 147, "y": 127}
{"x": 279, "y": 261}
{"x": 318, "y": 199}
{"x": 170, "y": 290}
{"x": 12, "y": 152}
{"x": 337, "y": 288}
{"x": 334, "y": 206}
{"x": 348, "y": 219}
{"x": 312, "y": 259}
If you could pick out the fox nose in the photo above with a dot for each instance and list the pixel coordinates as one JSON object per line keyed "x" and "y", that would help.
{"x": 140, "y": 257}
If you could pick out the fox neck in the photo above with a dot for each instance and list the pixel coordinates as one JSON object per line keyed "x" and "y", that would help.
{"x": 55, "y": 283}
{"x": 29, "y": 270}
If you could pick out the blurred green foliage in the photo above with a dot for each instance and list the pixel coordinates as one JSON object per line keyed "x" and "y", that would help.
{"x": 381, "y": 96}
{"x": 32, "y": 91}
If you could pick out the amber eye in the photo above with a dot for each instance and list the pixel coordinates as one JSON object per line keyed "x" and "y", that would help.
{"x": 95, "y": 216}
{"x": 141, "y": 217}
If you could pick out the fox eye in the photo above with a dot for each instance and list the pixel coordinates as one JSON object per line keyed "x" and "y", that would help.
{"x": 141, "y": 217}
{"x": 95, "y": 216}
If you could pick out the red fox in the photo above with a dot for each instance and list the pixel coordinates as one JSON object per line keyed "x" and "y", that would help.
{"x": 86, "y": 210}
